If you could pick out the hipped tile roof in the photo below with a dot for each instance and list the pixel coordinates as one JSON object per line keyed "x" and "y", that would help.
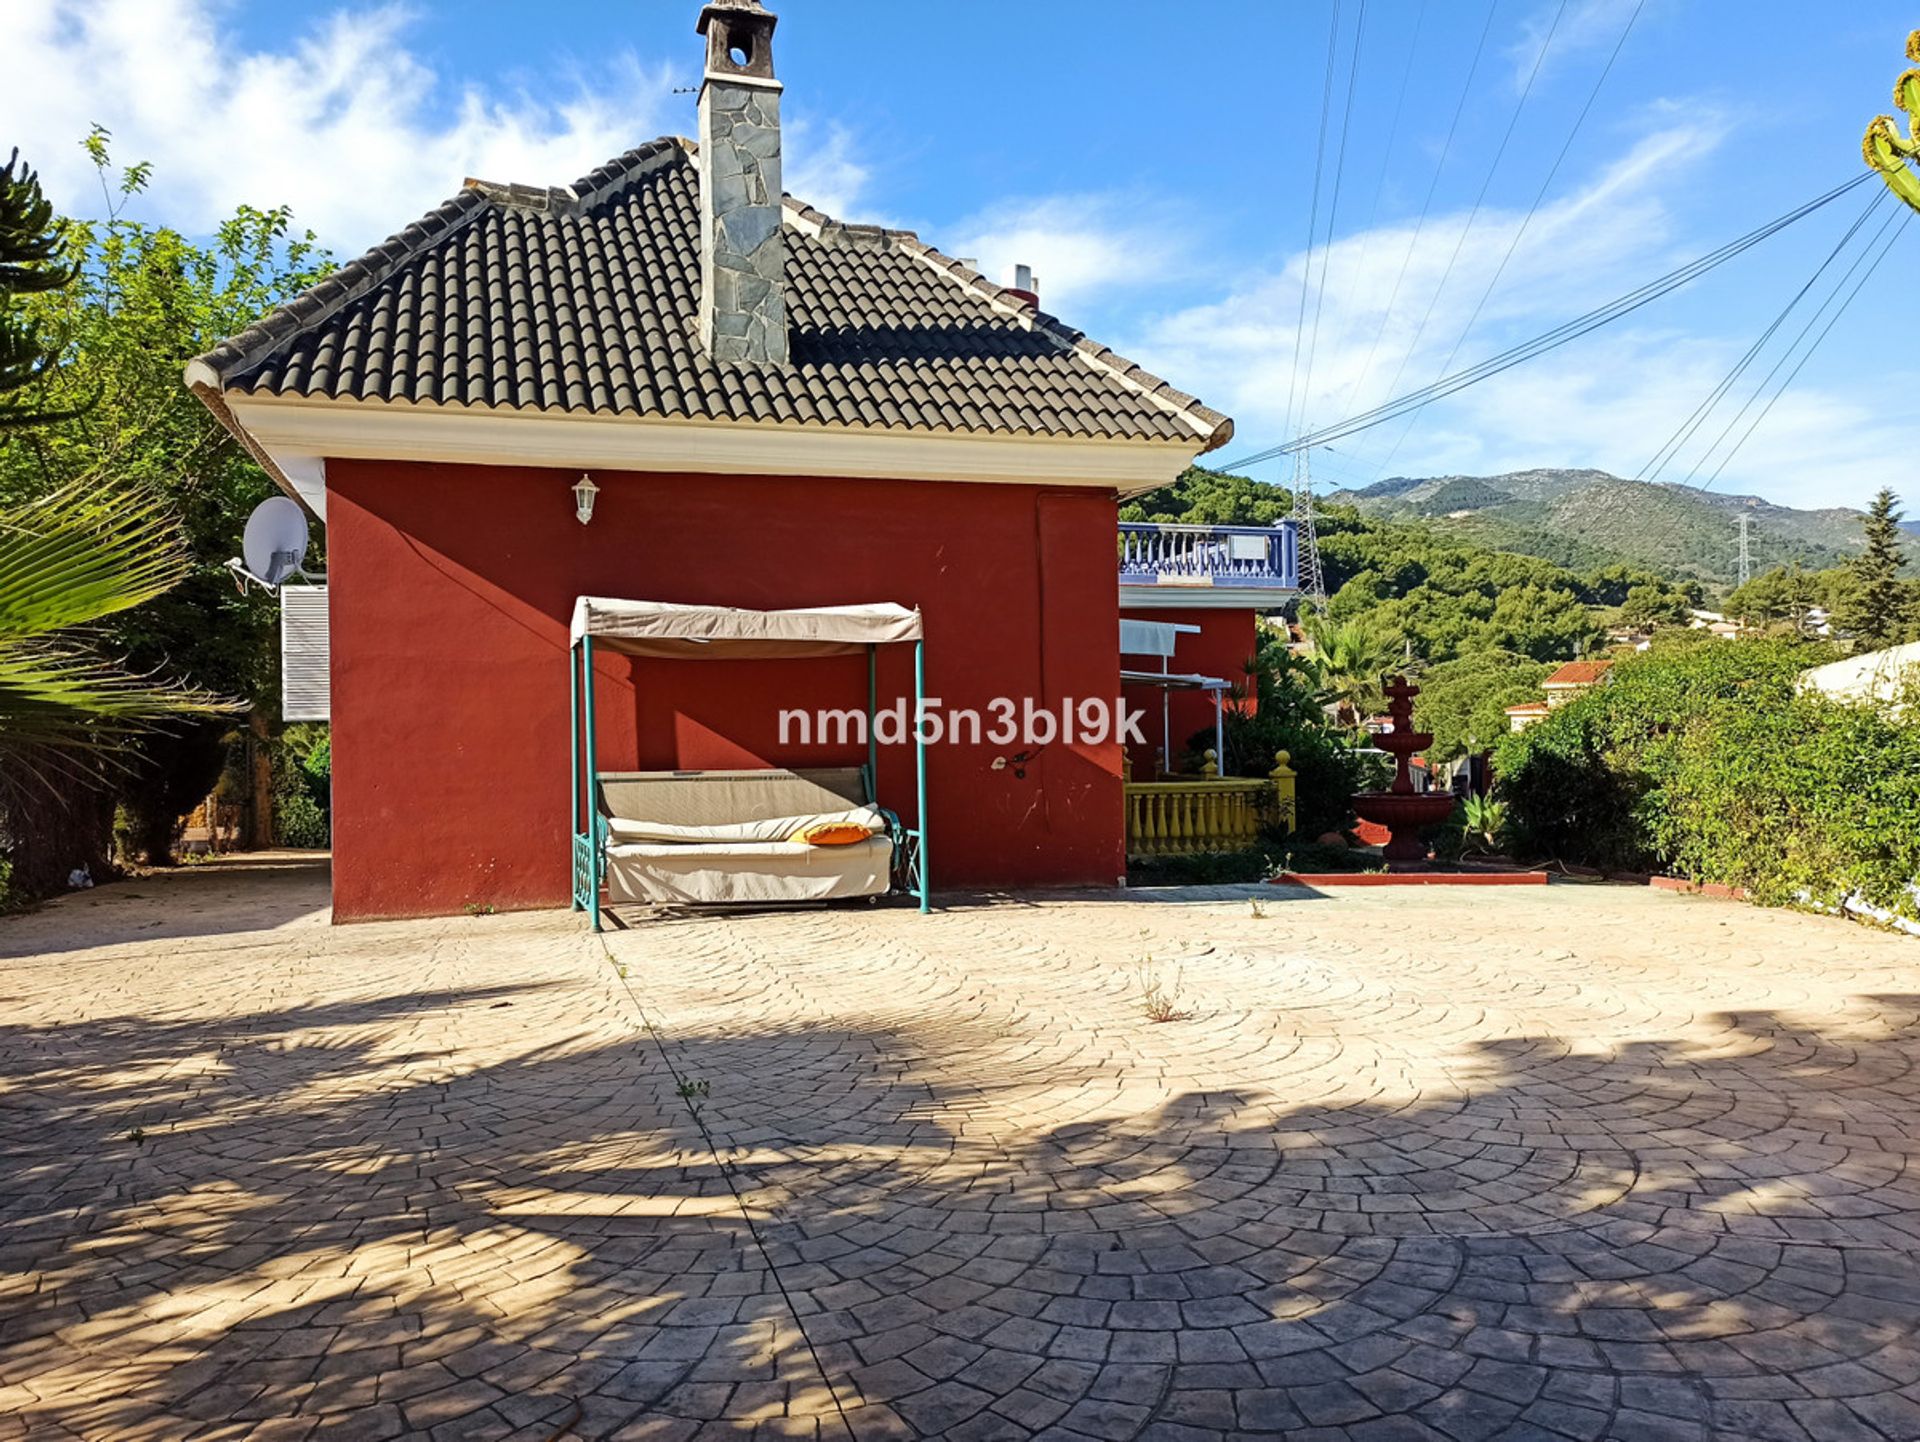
{"x": 585, "y": 300}
{"x": 1578, "y": 673}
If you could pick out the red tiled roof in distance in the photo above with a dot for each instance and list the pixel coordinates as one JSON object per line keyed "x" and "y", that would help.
{"x": 1578, "y": 673}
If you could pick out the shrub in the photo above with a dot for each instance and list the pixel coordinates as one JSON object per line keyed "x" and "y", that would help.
{"x": 302, "y": 783}
{"x": 1215, "y": 868}
{"x": 1705, "y": 760}
{"x": 1485, "y": 817}
{"x": 1289, "y": 718}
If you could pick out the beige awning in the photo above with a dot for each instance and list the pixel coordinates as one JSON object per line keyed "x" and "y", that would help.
{"x": 1152, "y": 638}
{"x": 1174, "y": 681}
{"x": 663, "y": 628}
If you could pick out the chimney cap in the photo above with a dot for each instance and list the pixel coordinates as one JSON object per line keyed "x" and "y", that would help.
{"x": 716, "y": 9}
{"x": 739, "y": 35}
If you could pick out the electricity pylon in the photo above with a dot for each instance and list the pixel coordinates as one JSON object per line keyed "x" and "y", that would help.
{"x": 1313, "y": 581}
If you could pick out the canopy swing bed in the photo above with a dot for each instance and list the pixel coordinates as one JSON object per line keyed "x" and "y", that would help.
{"x": 760, "y": 836}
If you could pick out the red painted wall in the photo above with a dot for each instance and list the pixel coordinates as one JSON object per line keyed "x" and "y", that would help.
{"x": 1225, "y": 645}
{"x": 450, "y": 589}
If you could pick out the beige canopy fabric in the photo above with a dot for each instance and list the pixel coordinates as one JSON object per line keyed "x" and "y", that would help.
{"x": 1152, "y": 638}
{"x": 1175, "y": 681}
{"x": 664, "y": 628}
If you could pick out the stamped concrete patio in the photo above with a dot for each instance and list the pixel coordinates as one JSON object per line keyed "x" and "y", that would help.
{"x": 1576, "y": 1162}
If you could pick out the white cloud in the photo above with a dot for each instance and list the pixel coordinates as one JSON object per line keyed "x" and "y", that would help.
{"x": 1079, "y": 246}
{"x": 1583, "y": 25}
{"x": 344, "y": 122}
{"x": 1605, "y": 401}
{"x": 1380, "y": 285}
{"x": 825, "y": 173}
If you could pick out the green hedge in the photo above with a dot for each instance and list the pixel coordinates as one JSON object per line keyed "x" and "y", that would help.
{"x": 302, "y": 786}
{"x": 1702, "y": 759}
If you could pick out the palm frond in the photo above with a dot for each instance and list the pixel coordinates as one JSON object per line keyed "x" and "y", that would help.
{"x": 41, "y": 679}
{"x": 74, "y": 556}
{"x": 68, "y": 560}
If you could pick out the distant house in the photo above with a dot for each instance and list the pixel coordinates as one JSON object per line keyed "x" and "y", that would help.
{"x": 1573, "y": 679}
{"x": 1520, "y": 717}
{"x": 1628, "y": 638}
{"x": 1714, "y": 622}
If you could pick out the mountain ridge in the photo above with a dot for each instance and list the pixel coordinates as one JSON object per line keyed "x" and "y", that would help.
{"x": 1585, "y": 518}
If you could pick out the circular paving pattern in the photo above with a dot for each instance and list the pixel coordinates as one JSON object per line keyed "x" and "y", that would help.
{"x": 1592, "y": 1163}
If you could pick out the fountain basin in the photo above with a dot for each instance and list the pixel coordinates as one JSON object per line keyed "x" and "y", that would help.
{"x": 1405, "y": 814}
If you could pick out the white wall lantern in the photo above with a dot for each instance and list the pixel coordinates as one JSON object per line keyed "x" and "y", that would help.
{"x": 584, "y": 490}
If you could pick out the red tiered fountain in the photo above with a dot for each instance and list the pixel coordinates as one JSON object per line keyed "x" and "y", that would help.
{"x": 1402, "y": 810}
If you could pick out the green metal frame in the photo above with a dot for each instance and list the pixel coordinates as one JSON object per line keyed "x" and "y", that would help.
{"x": 587, "y": 842}
{"x": 589, "y": 831}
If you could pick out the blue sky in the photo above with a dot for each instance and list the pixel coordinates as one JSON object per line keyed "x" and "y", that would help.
{"x": 1156, "y": 165}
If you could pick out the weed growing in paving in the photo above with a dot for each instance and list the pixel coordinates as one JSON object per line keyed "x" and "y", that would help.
{"x": 1158, "y": 1001}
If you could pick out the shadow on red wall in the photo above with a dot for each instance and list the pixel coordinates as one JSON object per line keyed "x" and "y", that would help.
{"x": 450, "y": 589}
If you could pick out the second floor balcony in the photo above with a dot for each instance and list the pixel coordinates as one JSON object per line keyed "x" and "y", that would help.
{"x": 1169, "y": 566}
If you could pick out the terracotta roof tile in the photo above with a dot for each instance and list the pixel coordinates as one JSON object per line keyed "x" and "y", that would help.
{"x": 1578, "y": 673}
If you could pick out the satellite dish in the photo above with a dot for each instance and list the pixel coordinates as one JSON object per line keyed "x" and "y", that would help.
{"x": 275, "y": 542}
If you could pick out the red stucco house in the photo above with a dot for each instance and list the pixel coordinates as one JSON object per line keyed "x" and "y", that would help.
{"x": 778, "y": 410}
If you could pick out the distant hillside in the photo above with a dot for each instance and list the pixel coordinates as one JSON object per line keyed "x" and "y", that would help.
{"x": 1584, "y": 519}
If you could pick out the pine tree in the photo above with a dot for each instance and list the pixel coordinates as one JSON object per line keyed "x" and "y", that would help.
{"x": 1876, "y": 613}
{"x": 31, "y": 262}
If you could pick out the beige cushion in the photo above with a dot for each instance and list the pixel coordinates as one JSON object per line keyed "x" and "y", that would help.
{"x": 624, "y": 829}
{"x": 747, "y": 872}
{"x": 725, "y": 798}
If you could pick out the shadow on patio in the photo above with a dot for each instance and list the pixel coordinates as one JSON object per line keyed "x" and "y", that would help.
{"x": 240, "y": 894}
{"x": 334, "y": 1218}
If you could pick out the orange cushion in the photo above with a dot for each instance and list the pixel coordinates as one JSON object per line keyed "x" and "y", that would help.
{"x": 831, "y": 833}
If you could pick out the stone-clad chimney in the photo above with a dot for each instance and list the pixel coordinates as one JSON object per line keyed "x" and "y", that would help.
{"x": 743, "y": 257}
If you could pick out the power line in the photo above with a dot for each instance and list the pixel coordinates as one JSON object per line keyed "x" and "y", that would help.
{"x": 1426, "y": 205}
{"x": 1808, "y": 355}
{"x": 1558, "y": 336}
{"x": 1333, "y": 210}
{"x": 1792, "y": 346}
{"x": 1313, "y": 214}
{"x": 1527, "y": 220}
{"x": 1388, "y": 155}
{"x": 1687, "y": 428}
{"x": 1473, "y": 215}
{"x": 1541, "y": 194}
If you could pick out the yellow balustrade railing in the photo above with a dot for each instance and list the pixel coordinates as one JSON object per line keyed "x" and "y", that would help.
{"x": 1210, "y": 812}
